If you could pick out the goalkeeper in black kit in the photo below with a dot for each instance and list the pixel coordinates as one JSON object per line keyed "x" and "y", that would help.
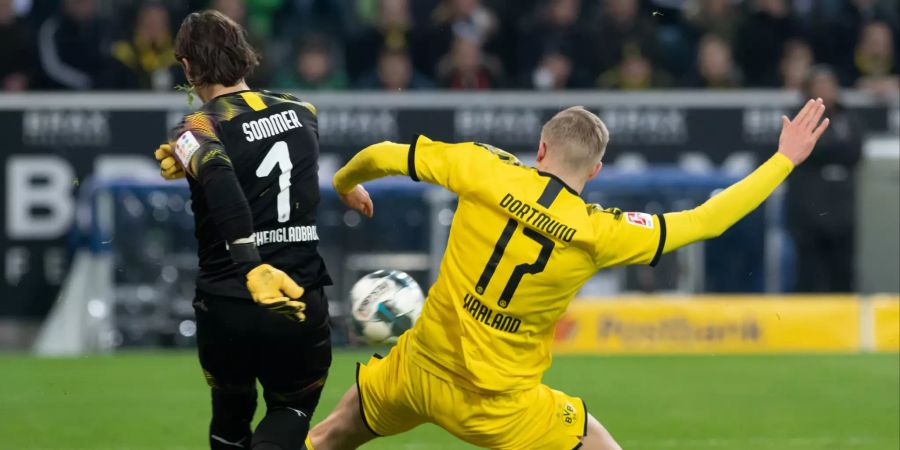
{"x": 251, "y": 159}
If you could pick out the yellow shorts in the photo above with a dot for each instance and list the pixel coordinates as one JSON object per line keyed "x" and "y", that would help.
{"x": 396, "y": 396}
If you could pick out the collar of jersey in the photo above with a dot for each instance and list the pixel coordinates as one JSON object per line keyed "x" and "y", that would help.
{"x": 563, "y": 183}
{"x": 228, "y": 94}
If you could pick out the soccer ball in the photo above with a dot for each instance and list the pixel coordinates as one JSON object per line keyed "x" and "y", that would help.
{"x": 384, "y": 305}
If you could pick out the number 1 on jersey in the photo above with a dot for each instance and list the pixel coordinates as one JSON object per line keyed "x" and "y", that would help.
{"x": 520, "y": 270}
{"x": 279, "y": 155}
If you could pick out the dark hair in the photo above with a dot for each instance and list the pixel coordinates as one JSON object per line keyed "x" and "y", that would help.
{"x": 216, "y": 48}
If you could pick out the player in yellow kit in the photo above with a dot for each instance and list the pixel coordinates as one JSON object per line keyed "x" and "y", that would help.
{"x": 521, "y": 245}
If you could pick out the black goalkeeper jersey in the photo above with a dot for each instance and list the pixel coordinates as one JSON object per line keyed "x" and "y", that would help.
{"x": 272, "y": 143}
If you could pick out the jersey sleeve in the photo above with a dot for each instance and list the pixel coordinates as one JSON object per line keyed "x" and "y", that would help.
{"x": 458, "y": 167}
{"x": 194, "y": 139}
{"x": 638, "y": 238}
{"x": 724, "y": 209}
{"x": 624, "y": 238}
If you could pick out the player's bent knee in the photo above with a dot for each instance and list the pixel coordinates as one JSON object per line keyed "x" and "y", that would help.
{"x": 233, "y": 404}
{"x": 281, "y": 428}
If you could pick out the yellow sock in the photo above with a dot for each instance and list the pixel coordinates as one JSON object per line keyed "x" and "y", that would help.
{"x": 308, "y": 443}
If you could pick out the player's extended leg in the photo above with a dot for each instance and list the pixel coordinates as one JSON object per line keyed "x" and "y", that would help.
{"x": 382, "y": 403}
{"x": 227, "y": 362}
{"x": 293, "y": 361}
{"x": 597, "y": 437}
{"x": 344, "y": 428}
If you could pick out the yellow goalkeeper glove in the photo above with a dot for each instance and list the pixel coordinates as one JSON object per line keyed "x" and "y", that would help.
{"x": 275, "y": 290}
{"x": 169, "y": 167}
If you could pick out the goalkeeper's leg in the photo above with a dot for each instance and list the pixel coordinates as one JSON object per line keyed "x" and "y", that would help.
{"x": 293, "y": 361}
{"x": 233, "y": 409}
{"x": 227, "y": 358}
{"x": 287, "y": 418}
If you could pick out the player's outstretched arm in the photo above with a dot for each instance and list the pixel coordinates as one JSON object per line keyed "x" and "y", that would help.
{"x": 375, "y": 161}
{"x": 459, "y": 168}
{"x": 712, "y": 218}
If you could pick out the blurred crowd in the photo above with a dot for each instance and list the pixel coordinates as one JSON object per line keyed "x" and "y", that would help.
{"x": 463, "y": 44}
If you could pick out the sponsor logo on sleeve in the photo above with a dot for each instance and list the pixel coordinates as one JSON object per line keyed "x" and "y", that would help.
{"x": 640, "y": 219}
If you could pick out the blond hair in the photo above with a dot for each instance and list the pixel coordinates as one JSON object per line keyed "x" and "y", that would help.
{"x": 577, "y": 136}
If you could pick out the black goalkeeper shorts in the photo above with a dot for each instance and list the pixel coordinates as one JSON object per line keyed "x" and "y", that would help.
{"x": 240, "y": 342}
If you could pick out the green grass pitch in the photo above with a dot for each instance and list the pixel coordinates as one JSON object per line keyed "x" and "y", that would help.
{"x": 798, "y": 402}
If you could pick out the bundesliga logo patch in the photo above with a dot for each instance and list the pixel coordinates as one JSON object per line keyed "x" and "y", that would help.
{"x": 640, "y": 219}
{"x": 185, "y": 147}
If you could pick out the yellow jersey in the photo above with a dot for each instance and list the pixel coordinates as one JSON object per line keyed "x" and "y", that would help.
{"x": 521, "y": 245}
